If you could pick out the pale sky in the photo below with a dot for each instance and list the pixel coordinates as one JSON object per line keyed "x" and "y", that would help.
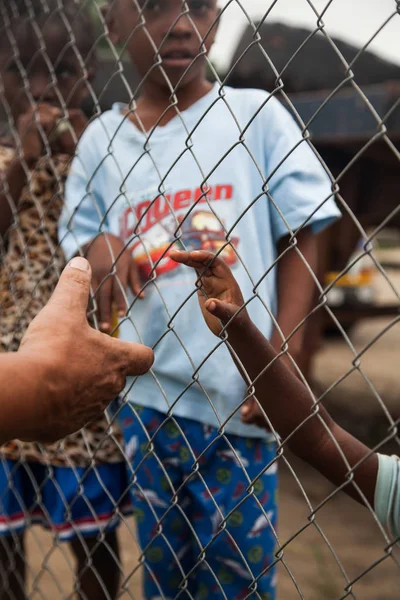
{"x": 354, "y": 21}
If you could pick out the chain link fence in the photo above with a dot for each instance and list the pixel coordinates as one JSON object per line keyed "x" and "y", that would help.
{"x": 200, "y": 175}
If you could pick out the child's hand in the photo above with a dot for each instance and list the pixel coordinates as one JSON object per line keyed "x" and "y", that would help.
{"x": 252, "y": 414}
{"x": 62, "y": 132}
{"x": 219, "y": 295}
{"x": 220, "y": 299}
{"x": 109, "y": 280}
{"x": 29, "y": 127}
{"x": 68, "y": 132}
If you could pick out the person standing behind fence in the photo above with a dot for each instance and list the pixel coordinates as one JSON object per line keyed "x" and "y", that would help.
{"x": 73, "y": 488}
{"x": 141, "y": 179}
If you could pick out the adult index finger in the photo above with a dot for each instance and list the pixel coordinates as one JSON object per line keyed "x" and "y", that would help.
{"x": 135, "y": 359}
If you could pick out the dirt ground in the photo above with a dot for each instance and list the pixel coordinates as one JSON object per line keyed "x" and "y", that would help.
{"x": 338, "y": 554}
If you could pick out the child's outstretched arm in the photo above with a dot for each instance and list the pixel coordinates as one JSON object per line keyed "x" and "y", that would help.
{"x": 309, "y": 430}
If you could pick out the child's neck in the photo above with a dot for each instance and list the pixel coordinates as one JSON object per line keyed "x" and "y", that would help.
{"x": 154, "y": 105}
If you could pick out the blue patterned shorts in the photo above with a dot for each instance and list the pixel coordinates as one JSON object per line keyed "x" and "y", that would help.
{"x": 70, "y": 502}
{"x": 206, "y": 517}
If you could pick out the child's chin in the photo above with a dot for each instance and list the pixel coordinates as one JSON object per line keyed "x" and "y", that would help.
{"x": 177, "y": 76}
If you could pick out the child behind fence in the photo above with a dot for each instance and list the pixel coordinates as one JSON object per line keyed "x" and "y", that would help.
{"x": 193, "y": 165}
{"x": 72, "y": 488}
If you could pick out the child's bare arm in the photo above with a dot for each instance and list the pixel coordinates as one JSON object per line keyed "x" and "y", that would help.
{"x": 309, "y": 430}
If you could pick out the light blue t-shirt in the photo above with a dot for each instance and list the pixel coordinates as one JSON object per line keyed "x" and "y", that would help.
{"x": 203, "y": 178}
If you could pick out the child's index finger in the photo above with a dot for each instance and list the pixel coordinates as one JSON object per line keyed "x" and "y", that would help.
{"x": 195, "y": 258}
{"x": 207, "y": 264}
{"x": 179, "y": 256}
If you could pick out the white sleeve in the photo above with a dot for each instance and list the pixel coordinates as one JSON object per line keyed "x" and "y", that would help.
{"x": 387, "y": 493}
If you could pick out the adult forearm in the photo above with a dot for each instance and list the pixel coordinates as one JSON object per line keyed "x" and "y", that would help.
{"x": 23, "y": 397}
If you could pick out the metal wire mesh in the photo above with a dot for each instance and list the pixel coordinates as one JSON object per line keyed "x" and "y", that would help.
{"x": 312, "y": 513}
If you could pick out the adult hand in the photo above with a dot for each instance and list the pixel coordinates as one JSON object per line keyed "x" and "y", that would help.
{"x": 81, "y": 369}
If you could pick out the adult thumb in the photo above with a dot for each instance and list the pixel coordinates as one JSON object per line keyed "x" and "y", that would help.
{"x": 72, "y": 290}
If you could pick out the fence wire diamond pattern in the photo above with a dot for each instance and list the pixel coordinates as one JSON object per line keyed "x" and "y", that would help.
{"x": 62, "y": 41}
